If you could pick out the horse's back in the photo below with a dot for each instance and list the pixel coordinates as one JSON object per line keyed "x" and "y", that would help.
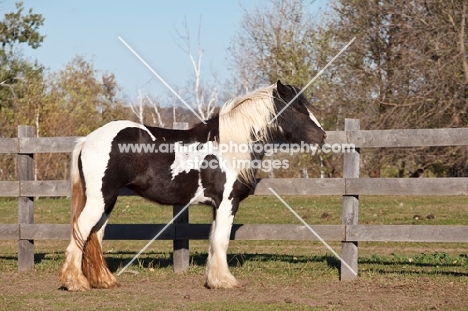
{"x": 125, "y": 153}
{"x": 110, "y": 130}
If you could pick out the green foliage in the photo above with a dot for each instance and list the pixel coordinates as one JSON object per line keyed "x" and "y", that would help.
{"x": 71, "y": 102}
{"x": 78, "y": 100}
{"x": 21, "y": 81}
{"x": 19, "y": 28}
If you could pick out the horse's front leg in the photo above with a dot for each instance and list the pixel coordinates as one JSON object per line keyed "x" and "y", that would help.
{"x": 217, "y": 271}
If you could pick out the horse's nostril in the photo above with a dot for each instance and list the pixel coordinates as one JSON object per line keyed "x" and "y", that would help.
{"x": 324, "y": 136}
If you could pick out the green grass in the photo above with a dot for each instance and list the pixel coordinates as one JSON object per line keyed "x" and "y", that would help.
{"x": 264, "y": 265}
{"x": 266, "y": 209}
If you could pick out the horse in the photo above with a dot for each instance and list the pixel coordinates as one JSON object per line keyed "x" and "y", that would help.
{"x": 100, "y": 168}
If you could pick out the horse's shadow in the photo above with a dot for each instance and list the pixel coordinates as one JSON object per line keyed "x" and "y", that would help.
{"x": 161, "y": 260}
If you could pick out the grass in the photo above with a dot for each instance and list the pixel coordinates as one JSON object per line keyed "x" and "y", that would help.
{"x": 267, "y": 209}
{"x": 297, "y": 265}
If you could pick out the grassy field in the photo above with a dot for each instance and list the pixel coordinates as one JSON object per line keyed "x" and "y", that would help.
{"x": 275, "y": 275}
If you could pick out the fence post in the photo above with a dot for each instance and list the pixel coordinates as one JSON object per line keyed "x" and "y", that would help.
{"x": 180, "y": 253}
{"x": 25, "y": 204}
{"x": 349, "y": 249}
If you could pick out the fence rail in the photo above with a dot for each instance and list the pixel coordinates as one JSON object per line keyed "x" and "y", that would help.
{"x": 184, "y": 231}
{"x": 360, "y": 138}
{"x": 283, "y": 186}
{"x": 350, "y": 187}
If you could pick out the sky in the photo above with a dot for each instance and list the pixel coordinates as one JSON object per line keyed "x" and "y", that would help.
{"x": 91, "y": 29}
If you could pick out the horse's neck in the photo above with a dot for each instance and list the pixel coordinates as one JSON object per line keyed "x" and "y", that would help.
{"x": 208, "y": 131}
{"x": 268, "y": 146}
{"x": 259, "y": 153}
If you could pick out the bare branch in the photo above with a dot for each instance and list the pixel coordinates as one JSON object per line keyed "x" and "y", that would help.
{"x": 205, "y": 107}
{"x": 138, "y": 107}
{"x": 156, "y": 112}
{"x": 462, "y": 43}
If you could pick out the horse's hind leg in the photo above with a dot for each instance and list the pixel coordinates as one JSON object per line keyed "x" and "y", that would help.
{"x": 71, "y": 275}
{"x": 94, "y": 265}
{"x": 217, "y": 271}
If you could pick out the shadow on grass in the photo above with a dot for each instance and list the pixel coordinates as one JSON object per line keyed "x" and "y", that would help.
{"x": 422, "y": 264}
{"x": 422, "y": 260}
{"x": 383, "y": 265}
{"x": 164, "y": 260}
{"x": 38, "y": 257}
{"x": 433, "y": 272}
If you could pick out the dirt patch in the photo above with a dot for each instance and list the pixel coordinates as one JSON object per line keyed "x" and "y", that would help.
{"x": 39, "y": 290}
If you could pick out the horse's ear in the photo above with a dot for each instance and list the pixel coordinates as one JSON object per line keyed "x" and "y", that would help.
{"x": 282, "y": 89}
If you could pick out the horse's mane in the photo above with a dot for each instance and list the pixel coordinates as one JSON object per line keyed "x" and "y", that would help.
{"x": 245, "y": 120}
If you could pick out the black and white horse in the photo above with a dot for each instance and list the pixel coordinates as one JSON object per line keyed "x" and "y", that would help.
{"x": 174, "y": 175}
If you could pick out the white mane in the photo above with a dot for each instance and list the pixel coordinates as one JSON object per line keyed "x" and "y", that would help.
{"x": 244, "y": 120}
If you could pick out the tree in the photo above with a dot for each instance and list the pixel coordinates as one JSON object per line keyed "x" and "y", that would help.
{"x": 277, "y": 40}
{"x": 407, "y": 69}
{"x": 77, "y": 100}
{"x": 17, "y": 29}
{"x": 146, "y": 109}
{"x": 204, "y": 95}
{"x": 21, "y": 81}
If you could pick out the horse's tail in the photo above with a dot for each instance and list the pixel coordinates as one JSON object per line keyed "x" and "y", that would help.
{"x": 78, "y": 195}
{"x": 93, "y": 266}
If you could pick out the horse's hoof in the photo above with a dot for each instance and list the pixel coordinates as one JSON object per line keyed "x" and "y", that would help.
{"x": 106, "y": 284}
{"x": 75, "y": 283}
{"x": 76, "y": 286}
{"x": 225, "y": 282}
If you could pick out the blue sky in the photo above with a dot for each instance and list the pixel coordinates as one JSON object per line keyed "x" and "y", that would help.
{"x": 91, "y": 28}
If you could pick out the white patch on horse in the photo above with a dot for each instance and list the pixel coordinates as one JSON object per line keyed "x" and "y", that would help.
{"x": 189, "y": 157}
{"x": 95, "y": 153}
{"x": 217, "y": 269}
{"x": 314, "y": 119}
{"x": 201, "y": 198}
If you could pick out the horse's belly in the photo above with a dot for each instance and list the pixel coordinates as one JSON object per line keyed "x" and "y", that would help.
{"x": 177, "y": 191}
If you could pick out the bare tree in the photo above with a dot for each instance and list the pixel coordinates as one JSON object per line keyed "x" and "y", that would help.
{"x": 156, "y": 113}
{"x": 138, "y": 108}
{"x": 206, "y": 100}
{"x": 276, "y": 41}
{"x": 146, "y": 109}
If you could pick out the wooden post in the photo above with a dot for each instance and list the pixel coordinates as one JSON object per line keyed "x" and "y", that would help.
{"x": 181, "y": 253}
{"x": 349, "y": 250}
{"x": 25, "y": 204}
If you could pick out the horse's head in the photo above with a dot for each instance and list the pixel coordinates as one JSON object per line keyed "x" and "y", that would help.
{"x": 297, "y": 123}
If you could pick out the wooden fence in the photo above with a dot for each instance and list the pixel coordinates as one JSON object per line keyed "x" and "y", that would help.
{"x": 350, "y": 187}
